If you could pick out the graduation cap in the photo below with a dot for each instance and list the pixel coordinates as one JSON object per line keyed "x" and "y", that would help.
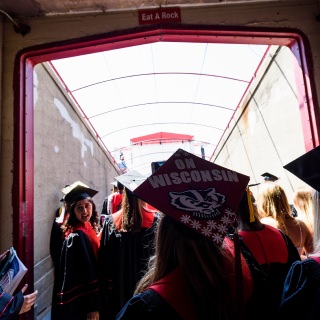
{"x": 156, "y": 165}
{"x": 131, "y": 179}
{"x": 79, "y": 192}
{"x": 67, "y": 188}
{"x": 269, "y": 177}
{"x": 198, "y": 193}
{"x": 306, "y": 168}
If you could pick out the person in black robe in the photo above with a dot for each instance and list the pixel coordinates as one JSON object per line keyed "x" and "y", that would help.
{"x": 192, "y": 274}
{"x": 301, "y": 290}
{"x": 269, "y": 254}
{"x": 76, "y": 284}
{"x": 127, "y": 242}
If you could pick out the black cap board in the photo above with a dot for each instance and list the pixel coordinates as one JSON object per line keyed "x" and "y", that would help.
{"x": 131, "y": 180}
{"x": 306, "y": 168}
{"x": 78, "y": 193}
{"x": 67, "y": 188}
{"x": 269, "y": 177}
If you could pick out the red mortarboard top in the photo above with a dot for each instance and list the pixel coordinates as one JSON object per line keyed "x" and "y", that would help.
{"x": 198, "y": 193}
{"x": 306, "y": 168}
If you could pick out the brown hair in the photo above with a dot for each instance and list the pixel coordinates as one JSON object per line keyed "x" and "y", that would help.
{"x": 201, "y": 263}
{"x": 131, "y": 217}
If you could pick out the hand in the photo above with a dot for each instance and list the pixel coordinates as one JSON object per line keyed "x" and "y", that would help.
{"x": 93, "y": 315}
{"x": 28, "y": 300}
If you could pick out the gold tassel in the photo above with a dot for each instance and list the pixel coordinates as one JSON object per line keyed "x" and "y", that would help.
{"x": 252, "y": 218}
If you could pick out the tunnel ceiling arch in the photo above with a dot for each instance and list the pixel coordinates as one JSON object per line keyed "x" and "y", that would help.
{"x": 142, "y": 101}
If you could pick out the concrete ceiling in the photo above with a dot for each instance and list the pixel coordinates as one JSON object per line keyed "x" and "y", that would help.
{"x": 37, "y": 8}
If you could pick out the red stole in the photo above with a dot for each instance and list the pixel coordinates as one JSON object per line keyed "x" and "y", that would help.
{"x": 116, "y": 201}
{"x": 171, "y": 289}
{"x": 315, "y": 257}
{"x": 231, "y": 272}
{"x": 147, "y": 219}
{"x": 266, "y": 245}
{"x": 91, "y": 234}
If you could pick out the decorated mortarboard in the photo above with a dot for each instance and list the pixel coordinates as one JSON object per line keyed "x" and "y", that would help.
{"x": 306, "y": 168}
{"x": 269, "y": 177}
{"x": 198, "y": 193}
{"x": 79, "y": 192}
{"x": 131, "y": 180}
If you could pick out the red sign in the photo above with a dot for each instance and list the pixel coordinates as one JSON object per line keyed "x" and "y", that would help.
{"x": 161, "y": 15}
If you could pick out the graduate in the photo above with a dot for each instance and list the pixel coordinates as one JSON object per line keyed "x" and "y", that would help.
{"x": 192, "y": 274}
{"x": 301, "y": 292}
{"x": 127, "y": 242}
{"x": 76, "y": 282}
{"x": 269, "y": 253}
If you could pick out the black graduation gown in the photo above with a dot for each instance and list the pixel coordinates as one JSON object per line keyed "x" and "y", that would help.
{"x": 10, "y": 306}
{"x": 76, "y": 283}
{"x": 268, "y": 279}
{"x": 56, "y": 240}
{"x": 122, "y": 260}
{"x": 148, "y": 305}
{"x": 301, "y": 294}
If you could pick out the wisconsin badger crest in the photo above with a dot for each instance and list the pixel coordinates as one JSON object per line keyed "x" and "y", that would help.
{"x": 203, "y": 202}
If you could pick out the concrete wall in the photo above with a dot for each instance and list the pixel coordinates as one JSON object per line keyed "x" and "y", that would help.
{"x": 269, "y": 133}
{"x": 65, "y": 151}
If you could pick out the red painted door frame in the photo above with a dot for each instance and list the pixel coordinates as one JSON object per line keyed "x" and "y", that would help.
{"x": 23, "y": 179}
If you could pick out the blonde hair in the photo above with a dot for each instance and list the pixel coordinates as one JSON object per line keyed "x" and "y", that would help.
{"x": 316, "y": 212}
{"x": 273, "y": 202}
{"x": 302, "y": 200}
{"x": 202, "y": 266}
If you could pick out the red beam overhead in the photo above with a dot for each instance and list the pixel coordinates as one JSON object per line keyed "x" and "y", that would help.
{"x": 161, "y": 137}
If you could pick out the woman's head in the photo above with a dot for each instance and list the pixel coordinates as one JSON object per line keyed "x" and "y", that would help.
{"x": 179, "y": 245}
{"x": 82, "y": 208}
{"x": 302, "y": 201}
{"x": 201, "y": 263}
{"x": 131, "y": 207}
{"x": 272, "y": 201}
{"x": 247, "y": 210}
{"x": 83, "y": 211}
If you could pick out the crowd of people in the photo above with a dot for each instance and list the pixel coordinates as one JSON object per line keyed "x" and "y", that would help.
{"x": 180, "y": 261}
{"x": 187, "y": 247}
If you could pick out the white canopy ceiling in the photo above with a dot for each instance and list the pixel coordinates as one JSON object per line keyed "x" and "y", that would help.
{"x": 172, "y": 87}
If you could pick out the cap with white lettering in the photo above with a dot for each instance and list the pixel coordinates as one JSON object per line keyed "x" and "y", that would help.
{"x": 196, "y": 192}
